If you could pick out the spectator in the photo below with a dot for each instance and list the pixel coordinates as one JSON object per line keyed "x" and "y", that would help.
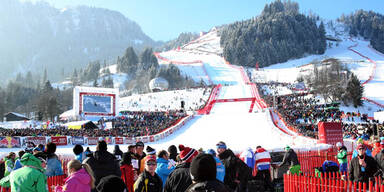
{"x": 290, "y": 157}
{"x": 53, "y": 164}
{"x": 203, "y": 173}
{"x": 247, "y": 157}
{"x": 117, "y": 152}
{"x": 31, "y": 176}
{"x": 148, "y": 180}
{"x": 220, "y": 169}
{"x": 180, "y": 179}
{"x": 111, "y": 183}
{"x": 78, "y": 150}
{"x": 356, "y": 152}
{"x": 262, "y": 166}
{"x": 236, "y": 171}
{"x": 172, "y": 150}
{"x": 139, "y": 155}
{"x": 103, "y": 163}
{"x": 164, "y": 168}
{"x": 132, "y": 150}
{"x": 127, "y": 171}
{"x": 9, "y": 163}
{"x": 342, "y": 158}
{"x": 87, "y": 152}
{"x": 18, "y": 165}
{"x": 362, "y": 167}
{"x": 80, "y": 178}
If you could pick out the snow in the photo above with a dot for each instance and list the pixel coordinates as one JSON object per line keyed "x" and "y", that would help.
{"x": 166, "y": 100}
{"x": 231, "y": 122}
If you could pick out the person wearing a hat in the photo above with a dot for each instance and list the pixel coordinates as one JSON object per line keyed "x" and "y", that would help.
{"x": 367, "y": 150}
{"x": 139, "y": 155}
{"x": 220, "y": 169}
{"x": 31, "y": 176}
{"x": 290, "y": 157}
{"x": 342, "y": 158}
{"x": 236, "y": 171}
{"x": 180, "y": 179}
{"x": 203, "y": 173}
{"x": 362, "y": 167}
{"x": 148, "y": 180}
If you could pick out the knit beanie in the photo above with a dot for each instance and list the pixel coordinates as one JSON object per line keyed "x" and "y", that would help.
{"x": 111, "y": 183}
{"x": 150, "y": 158}
{"x": 150, "y": 150}
{"x": 139, "y": 144}
{"x": 211, "y": 152}
{"x": 187, "y": 154}
{"x": 203, "y": 168}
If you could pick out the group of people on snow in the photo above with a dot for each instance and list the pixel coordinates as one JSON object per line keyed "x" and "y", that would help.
{"x": 177, "y": 169}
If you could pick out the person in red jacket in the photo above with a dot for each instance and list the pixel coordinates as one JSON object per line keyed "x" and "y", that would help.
{"x": 127, "y": 171}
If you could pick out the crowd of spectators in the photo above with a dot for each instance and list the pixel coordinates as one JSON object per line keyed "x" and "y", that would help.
{"x": 130, "y": 124}
{"x": 302, "y": 111}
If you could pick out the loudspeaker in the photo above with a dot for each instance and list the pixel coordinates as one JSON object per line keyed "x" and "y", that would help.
{"x": 182, "y": 103}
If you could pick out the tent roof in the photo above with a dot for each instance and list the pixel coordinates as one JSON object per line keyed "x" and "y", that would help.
{"x": 76, "y": 123}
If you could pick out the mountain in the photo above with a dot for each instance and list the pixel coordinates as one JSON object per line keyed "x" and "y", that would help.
{"x": 181, "y": 40}
{"x": 35, "y": 36}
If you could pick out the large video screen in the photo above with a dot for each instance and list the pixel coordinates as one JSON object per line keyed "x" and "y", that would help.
{"x": 97, "y": 104}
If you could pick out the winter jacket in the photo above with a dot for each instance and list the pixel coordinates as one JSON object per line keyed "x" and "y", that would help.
{"x": 210, "y": 186}
{"x": 148, "y": 183}
{"x": 80, "y": 157}
{"x": 140, "y": 162}
{"x": 53, "y": 167}
{"x": 163, "y": 169}
{"x": 80, "y": 181}
{"x": 291, "y": 158}
{"x": 9, "y": 164}
{"x": 342, "y": 155}
{"x": 31, "y": 177}
{"x": 262, "y": 159}
{"x": 179, "y": 179}
{"x": 248, "y": 157}
{"x": 18, "y": 165}
{"x": 376, "y": 149}
{"x": 379, "y": 158}
{"x": 127, "y": 175}
{"x": 360, "y": 174}
{"x": 235, "y": 170}
{"x": 220, "y": 169}
{"x": 103, "y": 164}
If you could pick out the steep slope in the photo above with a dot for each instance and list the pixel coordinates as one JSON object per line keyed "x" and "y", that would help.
{"x": 35, "y": 36}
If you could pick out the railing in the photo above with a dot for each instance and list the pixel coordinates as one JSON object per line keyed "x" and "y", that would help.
{"x": 330, "y": 182}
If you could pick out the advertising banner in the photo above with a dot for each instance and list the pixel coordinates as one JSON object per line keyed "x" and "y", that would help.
{"x": 130, "y": 140}
{"x": 93, "y": 140}
{"x": 36, "y": 140}
{"x": 119, "y": 140}
{"x": 108, "y": 140}
{"x": 10, "y": 142}
{"x": 330, "y": 132}
{"x": 78, "y": 140}
{"x": 151, "y": 138}
{"x": 62, "y": 140}
{"x": 145, "y": 139}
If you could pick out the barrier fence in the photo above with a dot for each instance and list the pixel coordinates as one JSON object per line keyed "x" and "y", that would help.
{"x": 309, "y": 160}
{"x": 330, "y": 182}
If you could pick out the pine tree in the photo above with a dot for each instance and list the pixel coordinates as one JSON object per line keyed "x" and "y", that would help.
{"x": 128, "y": 63}
{"x": 354, "y": 91}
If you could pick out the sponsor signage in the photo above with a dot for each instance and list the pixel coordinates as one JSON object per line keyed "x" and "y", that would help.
{"x": 62, "y": 140}
{"x": 93, "y": 140}
{"x": 330, "y": 132}
{"x": 10, "y": 142}
{"x": 119, "y": 140}
{"x": 78, "y": 140}
{"x": 36, "y": 140}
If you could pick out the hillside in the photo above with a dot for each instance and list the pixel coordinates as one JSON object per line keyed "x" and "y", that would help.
{"x": 35, "y": 36}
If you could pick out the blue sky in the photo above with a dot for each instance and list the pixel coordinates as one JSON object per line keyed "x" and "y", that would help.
{"x": 166, "y": 19}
